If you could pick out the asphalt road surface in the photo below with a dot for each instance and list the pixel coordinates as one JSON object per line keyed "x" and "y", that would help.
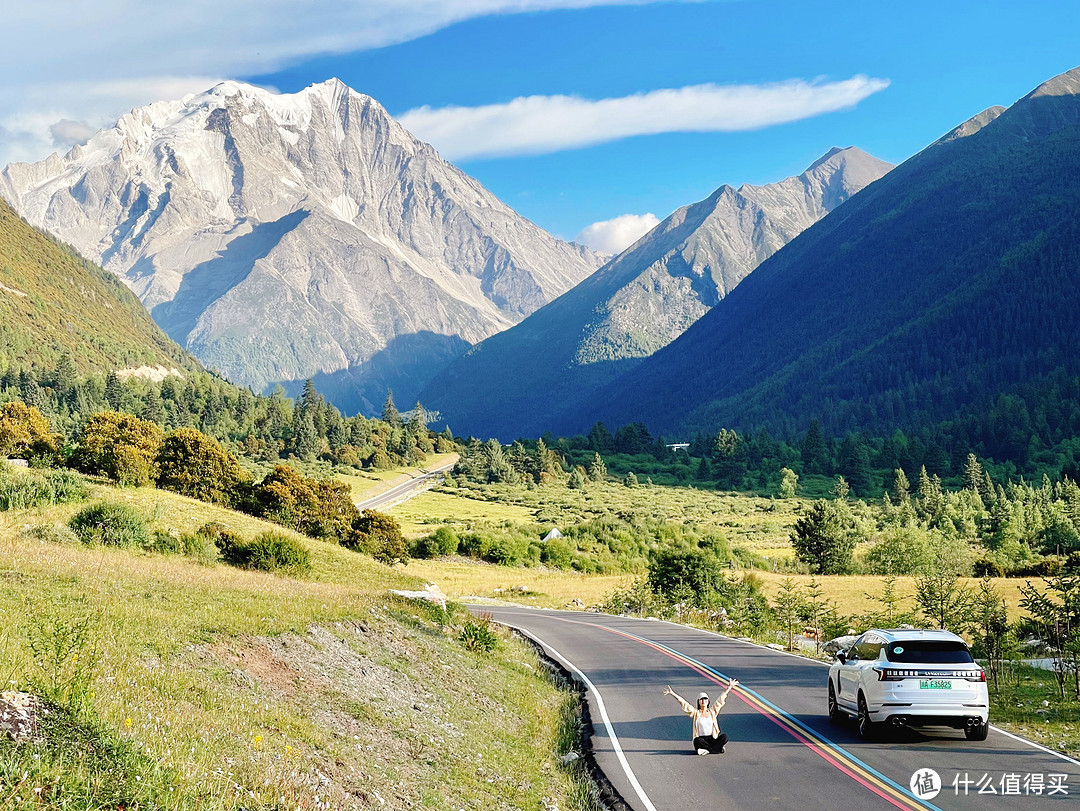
{"x": 784, "y": 754}
{"x": 406, "y": 490}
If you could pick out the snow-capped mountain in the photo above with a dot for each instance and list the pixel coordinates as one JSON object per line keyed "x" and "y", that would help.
{"x": 281, "y": 237}
{"x": 642, "y": 299}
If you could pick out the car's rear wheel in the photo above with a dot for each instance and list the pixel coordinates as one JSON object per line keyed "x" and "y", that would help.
{"x": 868, "y": 730}
{"x": 836, "y": 715}
{"x": 977, "y": 732}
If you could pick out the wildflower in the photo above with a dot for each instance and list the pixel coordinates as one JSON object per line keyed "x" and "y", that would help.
{"x": 127, "y": 723}
{"x": 258, "y": 741}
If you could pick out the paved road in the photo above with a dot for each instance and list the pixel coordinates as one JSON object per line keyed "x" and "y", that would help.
{"x": 784, "y": 754}
{"x": 406, "y": 490}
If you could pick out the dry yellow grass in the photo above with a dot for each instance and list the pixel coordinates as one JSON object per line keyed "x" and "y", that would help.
{"x": 424, "y": 513}
{"x": 544, "y": 588}
{"x": 850, "y": 591}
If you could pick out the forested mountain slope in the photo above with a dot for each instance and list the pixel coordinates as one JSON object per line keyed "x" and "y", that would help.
{"x": 53, "y": 302}
{"x": 950, "y": 282}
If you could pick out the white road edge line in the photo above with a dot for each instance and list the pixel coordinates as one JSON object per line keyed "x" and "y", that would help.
{"x": 603, "y": 714}
{"x": 1019, "y": 738}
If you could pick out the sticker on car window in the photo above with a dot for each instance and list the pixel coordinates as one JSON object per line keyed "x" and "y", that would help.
{"x": 897, "y": 649}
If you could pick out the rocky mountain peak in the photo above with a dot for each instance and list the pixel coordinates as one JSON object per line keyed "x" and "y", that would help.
{"x": 287, "y": 236}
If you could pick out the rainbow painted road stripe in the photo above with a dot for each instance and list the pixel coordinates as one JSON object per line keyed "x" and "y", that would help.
{"x": 871, "y": 778}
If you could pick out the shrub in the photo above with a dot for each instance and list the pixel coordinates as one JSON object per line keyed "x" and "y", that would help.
{"x": 110, "y": 525}
{"x": 270, "y": 552}
{"x": 478, "y": 636}
{"x": 39, "y": 488}
{"x": 193, "y": 464}
{"x": 25, "y": 432}
{"x": 440, "y": 543}
{"x": 320, "y": 508}
{"x": 195, "y": 545}
{"x": 380, "y": 536}
{"x": 275, "y": 551}
{"x": 505, "y": 551}
{"x": 683, "y": 574}
{"x": 51, "y": 533}
{"x": 987, "y": 568}
{"x": 119, "y": 446}
{"x": 557, "y": 553}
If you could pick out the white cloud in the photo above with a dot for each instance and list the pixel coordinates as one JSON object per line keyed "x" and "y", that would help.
{"x": 534, "y": 125}
{"x": 37, "y": 120}
{"x": 66, "y": 132}
{"x": 616, "y": 235}
{"x": 91, "y": 62}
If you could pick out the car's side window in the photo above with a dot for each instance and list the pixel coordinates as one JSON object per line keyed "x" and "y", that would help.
{"x": 855, "y": 651}
{"x": 869, "y": 647}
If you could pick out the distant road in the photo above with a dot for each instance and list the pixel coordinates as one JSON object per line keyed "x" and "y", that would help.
{"x": 406, "y": 490}
{"x": 784, "y": 754}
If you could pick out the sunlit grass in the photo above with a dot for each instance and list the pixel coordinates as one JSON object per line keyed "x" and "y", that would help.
{"x": 543, "y": 588}
{"x": 194, "y": 673}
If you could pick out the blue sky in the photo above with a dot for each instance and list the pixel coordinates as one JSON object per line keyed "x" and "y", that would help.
{"x": 912, "y": 70}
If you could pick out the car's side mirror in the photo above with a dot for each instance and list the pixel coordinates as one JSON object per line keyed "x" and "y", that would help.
{"x": 841, "y": 657}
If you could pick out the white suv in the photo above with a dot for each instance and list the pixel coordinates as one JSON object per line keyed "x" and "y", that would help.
{"x": 907, "y": 677}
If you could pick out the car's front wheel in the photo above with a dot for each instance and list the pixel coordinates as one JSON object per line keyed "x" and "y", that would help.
{"x": 836, "y": 715}
{"x": 868, "y": 730}
{"x": 977, "y": 732}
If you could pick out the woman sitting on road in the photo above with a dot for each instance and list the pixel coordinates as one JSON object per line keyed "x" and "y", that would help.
{"x": 708, "y": 739}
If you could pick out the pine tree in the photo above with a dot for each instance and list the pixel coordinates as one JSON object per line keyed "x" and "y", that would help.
{"x": 65, "y": 376}
{"x": 901, "y": 487}
{"x": 114, "y": 392}
{"x": 390, "y": 413}
{"x": 597, "y": 468}
{"x": 600, "y": 439}
{"x": 815, "y": 451}
{"x": 973, "y": 474}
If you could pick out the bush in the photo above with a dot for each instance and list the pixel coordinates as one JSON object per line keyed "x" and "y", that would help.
{"x": 440, "y": 543}
{"x": 478, "y": 636}
{"x": 195, "y": 545}
{"x": 193, "y": 464}
{"x": 270, "y": 552}
{"x": 25, "y": 432}
{"x": 39, "y": 488}
{"x": 51, "y": 533}
{"x": 110, "y": 525}
{"x": 683, "y": 574}
{"x": 557, "y": 553}
{"x": 274, "y": 552}
{"x": 380, "y": 536}
{"x": 320, "y": 508}
{"x": 987, "y": 568}
{"x": 119, "y": 446}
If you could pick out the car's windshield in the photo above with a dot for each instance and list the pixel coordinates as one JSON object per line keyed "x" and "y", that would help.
{"x": 921, "y": 651}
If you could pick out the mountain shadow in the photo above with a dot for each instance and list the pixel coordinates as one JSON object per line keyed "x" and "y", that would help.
{"x": 404, "y": 366}
{"x": 209, "y": 281}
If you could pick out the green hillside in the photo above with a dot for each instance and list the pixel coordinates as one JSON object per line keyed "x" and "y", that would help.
{"x": 53, "y": 302}
{"x": 951, "y": 282}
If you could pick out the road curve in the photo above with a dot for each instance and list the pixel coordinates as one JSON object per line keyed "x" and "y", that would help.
{"x": 784, "y": 754}
{"x": 406, "y": 490}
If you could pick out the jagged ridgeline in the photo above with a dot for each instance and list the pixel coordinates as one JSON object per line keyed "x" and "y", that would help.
{"x": 944, "y": 291}
{"x": 54, "y": 303}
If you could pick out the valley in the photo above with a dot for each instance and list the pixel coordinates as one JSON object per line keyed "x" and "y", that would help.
{"x": 335, "y": 474}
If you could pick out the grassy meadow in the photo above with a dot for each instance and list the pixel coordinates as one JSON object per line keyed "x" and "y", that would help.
{"x": 207, "y": 686}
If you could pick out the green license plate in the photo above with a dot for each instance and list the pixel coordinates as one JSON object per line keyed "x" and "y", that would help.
{"x": 935, "y": 684}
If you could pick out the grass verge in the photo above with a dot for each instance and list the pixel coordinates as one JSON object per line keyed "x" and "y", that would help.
{"x": 211, "y": 687}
